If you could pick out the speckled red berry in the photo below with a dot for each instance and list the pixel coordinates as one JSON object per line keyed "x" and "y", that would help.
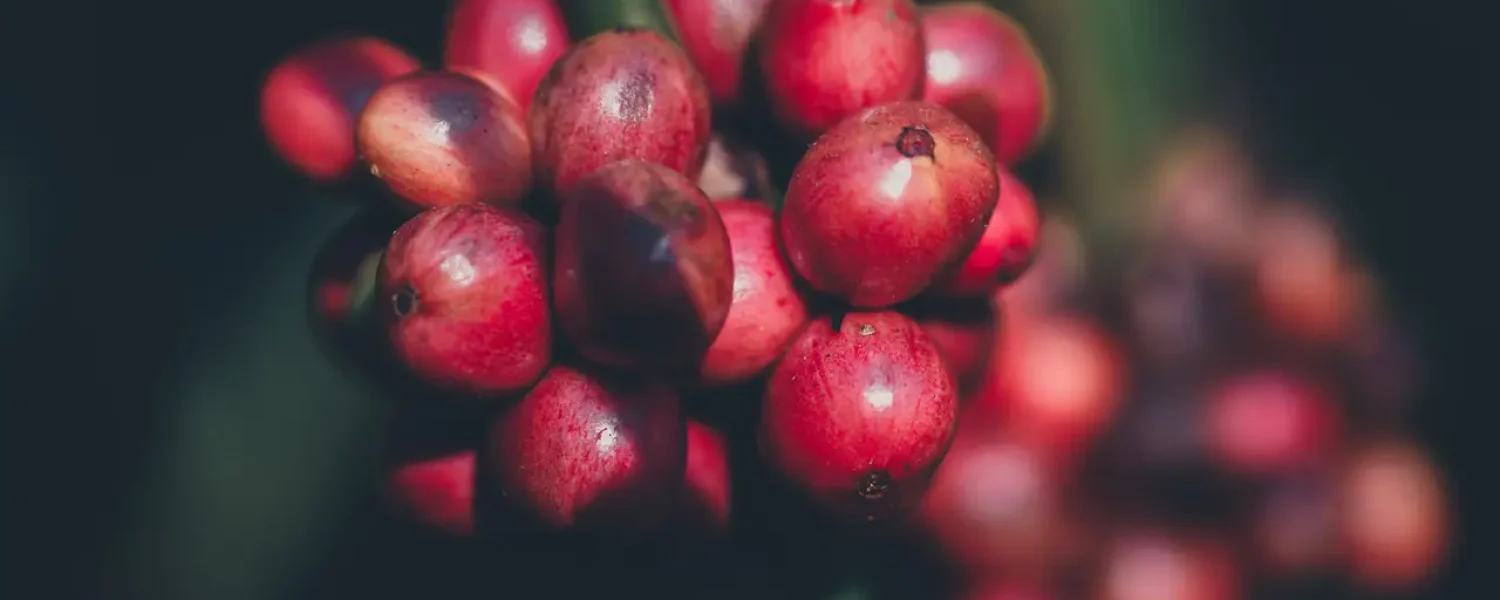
{"x": 860, "y": 414}
{"x": 624, "y": 93}
{"x": 466, "y": 301}
{"x": 515, "y": 42}
{"x": 983, "y": 66}
{"x": 588, "y": 450}
{"x": 766, "y": 311}
{"x": 440, "y": 138}
{"x": 824, "y": 60}
{"x": 888, "y": 201}
{"x": 643, "y": 276}
{"x": 310, "y": 102}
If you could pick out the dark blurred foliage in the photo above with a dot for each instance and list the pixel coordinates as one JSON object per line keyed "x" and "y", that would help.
{"x": 152, "y": 254}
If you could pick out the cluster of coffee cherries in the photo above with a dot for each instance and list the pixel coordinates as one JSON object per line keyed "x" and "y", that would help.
{"x": 623, "y": 279}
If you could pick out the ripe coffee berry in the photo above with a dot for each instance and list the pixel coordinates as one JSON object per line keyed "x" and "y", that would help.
{"x": 466, "y": 303}
{"x": 982, "y": 65}
{"x": 310, "y": 102}
{"x": 1006, "y": 249}
{"x": 588, "y": 450}
{"x": 438, "y": 492}
{"x": 621, "y": 94}
{"x": 514, "y": 42}
{"x": 859, "y": 414}
{"x": 964, "y": 331}
{"x": 644, "y": 276}
{"x": 766, "y": 311}
{"x": 716, "y": 34}
{"x": 888, "y": 201}
{"x": 440, "y": 138}
{"x": 706, "y": 481}
{"x": 824, "y": 60}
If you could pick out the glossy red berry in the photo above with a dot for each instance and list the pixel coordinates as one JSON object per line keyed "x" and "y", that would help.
{"x": 859, "y": 415}
{"x": 440, "y": 138}
{"x": 1006, "y": 249}
{"x": 888, "y": 201}
{"x": 514, "y": 42}
{"x": 310, "y": 102}
{"x": 625, "y": 93}
{"x": 466, "y": 303}
{"x": 587, "y": 450}
{"x": 716, "y": 34}
{"x": 824, "y": 60}
{"x": 983, "y": 66}
{"x": 766, "y": 311}
{"x": 644, "y": 276}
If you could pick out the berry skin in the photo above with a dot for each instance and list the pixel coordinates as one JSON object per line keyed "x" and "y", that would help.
{"x": 983, "y": 66}
{"x": 1006, "y": 249}
{"x": 621, "y": 94}
{"x": 438, "y": 492}
{"x": 466, "y": 302}
{"x": 860, "y": 415}
{"x": 887, "y": 202}
{"x": 716, "y": 34}
{"x": 644, "y": 276}
{"x": 440, "y": 138}
{"x": 964, "y": 331}
{"x": 588, "y": 450}
{"x": 767, "y": 310}
{"x": 310, "y": 102}
{"x": 824, "y": 60}
{"x": 706, "y": 480}
{"x": 514, "y": 42}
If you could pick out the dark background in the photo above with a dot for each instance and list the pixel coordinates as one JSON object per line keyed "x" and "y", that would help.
{"x": 147, "y": 234}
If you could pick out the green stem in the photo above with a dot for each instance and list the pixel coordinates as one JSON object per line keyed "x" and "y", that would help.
{"x": 1122, "y": 68}
{"x": 588, "y": 17}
